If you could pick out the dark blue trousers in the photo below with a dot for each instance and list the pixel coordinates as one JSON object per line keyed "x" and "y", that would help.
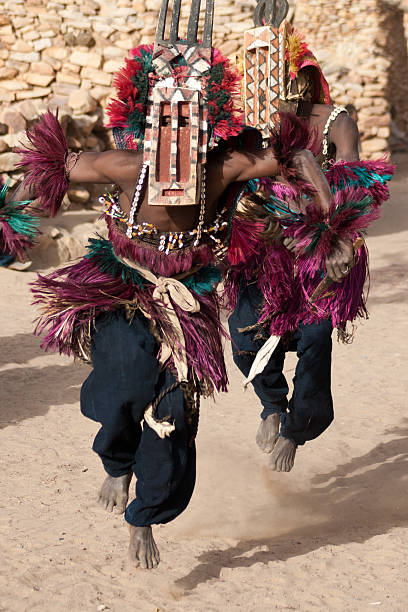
{"x": 125, "y": 378}
{"x": 310, "y": 409}
{"x": 5, "y": 259}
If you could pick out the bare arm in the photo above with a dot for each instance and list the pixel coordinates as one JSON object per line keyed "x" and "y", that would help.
{"x": 308, "y": 168}
{"x": 345, "y": 136}
{"x": 107, "y": 167}
{"x": 243, "y": 166}
{"x": 20, "y": 193}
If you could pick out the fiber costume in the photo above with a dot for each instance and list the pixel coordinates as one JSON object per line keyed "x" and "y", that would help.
{"x": 142, "y": 305}
{"x": 18, "y": 227}
{"x": 281, "y": 301}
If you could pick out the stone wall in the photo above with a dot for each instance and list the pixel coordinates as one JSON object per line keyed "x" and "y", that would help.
{"x": 64, "y": 53}
{"x": 363, "y": 50}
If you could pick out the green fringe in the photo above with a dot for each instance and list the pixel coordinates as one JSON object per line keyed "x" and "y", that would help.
{"x": 204, "y": 280}
{"x": 101, "y": 251}
{"x": 20, "y": 221}
{"x": 365, "y": 178}
{"x": 362, "y": 208}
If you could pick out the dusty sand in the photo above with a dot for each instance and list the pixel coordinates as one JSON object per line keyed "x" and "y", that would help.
{"x": 330, "y": 535}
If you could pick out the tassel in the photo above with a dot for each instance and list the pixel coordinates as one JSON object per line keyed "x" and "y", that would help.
{"x": 44, "y": 164}
{"x": 18, "y": 228}
{"x": 369, "y": 176}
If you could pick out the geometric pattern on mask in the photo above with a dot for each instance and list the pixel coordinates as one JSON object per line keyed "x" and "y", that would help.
{"x": 180, "y": 65}
{"x": 262, "y": 65}
{"x": 197, "y": 58}
{"x": 198, "y": 131}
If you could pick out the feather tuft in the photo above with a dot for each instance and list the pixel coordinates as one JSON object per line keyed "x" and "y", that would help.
{"x": 18, "y": 228}
{"x": 44, "y": 163}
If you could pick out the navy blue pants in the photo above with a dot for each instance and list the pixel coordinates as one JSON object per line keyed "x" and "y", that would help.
{"x": 310, "y": 409}
{"x": 126, "y": 377}
{"x": 5, "y": 259}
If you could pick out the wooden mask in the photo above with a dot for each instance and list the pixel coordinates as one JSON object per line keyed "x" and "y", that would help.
{"x": 176, "y": 132}
{"x": 264, "y": 64}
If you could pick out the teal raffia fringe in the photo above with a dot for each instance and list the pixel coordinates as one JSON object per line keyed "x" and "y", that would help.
{"x": 101, "y": 252}
{"x": 370, "y": 176}
{"x": 18, "y": 228}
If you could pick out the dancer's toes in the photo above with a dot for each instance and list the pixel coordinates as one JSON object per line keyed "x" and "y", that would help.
{"x": 142, "y": 548}
{"x": 267, "y": 431}
{"x": 114, "y": 493}
{"x": 283, "y": 455}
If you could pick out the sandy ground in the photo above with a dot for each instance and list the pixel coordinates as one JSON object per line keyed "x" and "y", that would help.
{"x": 330, "y": 535}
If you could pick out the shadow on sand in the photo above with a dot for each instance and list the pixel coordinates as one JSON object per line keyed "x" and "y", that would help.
{"x": 358, "y": 500}
{"x": 394, "y": 213}
{"x": 389, "y": 283}
{"x": 38, "y": 389}
{"x": 19, "y": 348}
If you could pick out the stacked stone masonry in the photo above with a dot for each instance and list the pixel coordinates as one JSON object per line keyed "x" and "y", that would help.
{"x": 64, "y": 54}
{"x": 362, "y": 46}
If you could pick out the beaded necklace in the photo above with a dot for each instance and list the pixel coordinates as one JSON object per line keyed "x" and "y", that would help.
{"x": 325, "y": 142}
{"x": 165, "y": 241}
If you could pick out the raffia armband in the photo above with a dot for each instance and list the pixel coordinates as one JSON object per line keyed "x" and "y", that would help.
{"x": 44, "y": 162}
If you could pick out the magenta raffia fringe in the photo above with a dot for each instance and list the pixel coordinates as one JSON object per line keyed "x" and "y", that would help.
{"x": 369, "y": 175}
{"x": 289, "y": 137}
{"x": 286, "y": 293}
{"x": 12, "y": 242}
{"x": 44, "y": 163}
{"x": 72, "y": 298}
{"x": 272, "y": 263}
{"x": 287, "y": 283}
{"x": 320, "y": 231}
{"x": 177, "y": 262}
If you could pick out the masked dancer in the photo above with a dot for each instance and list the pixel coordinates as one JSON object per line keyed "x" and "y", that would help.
{"x": 282, "y": 246}
{"x": 142, "y": 305}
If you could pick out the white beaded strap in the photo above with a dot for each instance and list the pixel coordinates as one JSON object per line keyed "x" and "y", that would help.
{"x": 136, "y": 199}
{"x": 202, "y": 207}
{"x": 333, "y": 115}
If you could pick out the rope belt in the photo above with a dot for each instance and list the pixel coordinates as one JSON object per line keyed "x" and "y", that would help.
{"x": 169, "y": 290}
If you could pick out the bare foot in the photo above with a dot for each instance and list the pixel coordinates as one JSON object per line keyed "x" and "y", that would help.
{"x": 142, "y": 547}
{"x": 283, "y": 455}
{"x": 267, "y": 432}
{"x": 114, "y": 493}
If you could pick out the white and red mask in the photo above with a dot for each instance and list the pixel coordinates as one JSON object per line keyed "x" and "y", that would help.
{"x": 176, "y": 99}
{"x": 264, "y": 64}
{"x": 175, "y": 144}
